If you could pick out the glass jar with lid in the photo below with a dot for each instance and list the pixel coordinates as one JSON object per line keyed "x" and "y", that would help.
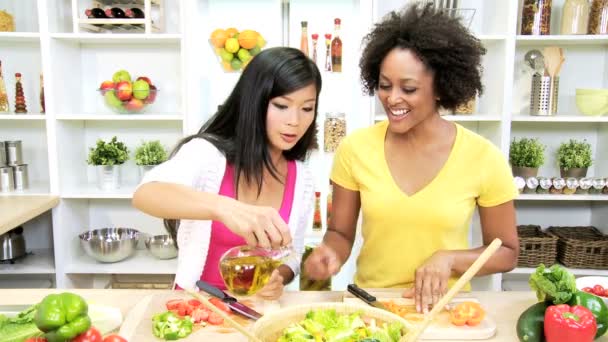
{"x": 334, "y": 130}
{"x": 575, "y": 17}
{"x": 536, "y": 17}
{"x": 598, "y": 17}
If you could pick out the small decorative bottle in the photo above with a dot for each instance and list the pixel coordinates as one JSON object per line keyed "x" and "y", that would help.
{"x": 336, "y": 48}
{"x": 317, "y": 225}
{"x": 329, "y": 200}
{"x": 42, "y": 106}
{"x": 328, "y": 52}
{"x": 4, "y": 107}
{"x": 20, "y": 106}
{"x": 304, "y": 38}
{"x": 315, "y": 38}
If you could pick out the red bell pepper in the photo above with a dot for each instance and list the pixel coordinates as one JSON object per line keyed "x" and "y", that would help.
{"x": 565, "y": 323}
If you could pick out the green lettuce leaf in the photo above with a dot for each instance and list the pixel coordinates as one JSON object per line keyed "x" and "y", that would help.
{"x": 555, "y": 284}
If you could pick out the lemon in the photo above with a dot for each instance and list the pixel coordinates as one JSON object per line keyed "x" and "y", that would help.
{"x": 226, "y": 56}
{"x": 232, "y": 45}
{"x": 261, "y": 41}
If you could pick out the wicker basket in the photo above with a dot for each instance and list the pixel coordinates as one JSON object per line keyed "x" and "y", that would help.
{"x": 270, "y": 327}
{"x": 535, "y": 247}
{"x": 581, "y": 247}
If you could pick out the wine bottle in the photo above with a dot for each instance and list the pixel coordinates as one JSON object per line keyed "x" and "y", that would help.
{"x": 115, "y": 12}
{"x": 95, "y": 13}
{"x": 135, "y": 13}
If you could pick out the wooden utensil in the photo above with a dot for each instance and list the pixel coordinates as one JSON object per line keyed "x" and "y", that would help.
{"x": 462, "y": 281}
{"x": 222, "y": 314}
{"x": 553, "y": 59}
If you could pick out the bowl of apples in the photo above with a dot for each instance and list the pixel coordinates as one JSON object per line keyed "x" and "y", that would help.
{"x": 124, "y": 95}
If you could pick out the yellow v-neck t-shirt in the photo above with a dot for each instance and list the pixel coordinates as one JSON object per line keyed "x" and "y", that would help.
{"x": 399, "y": 231}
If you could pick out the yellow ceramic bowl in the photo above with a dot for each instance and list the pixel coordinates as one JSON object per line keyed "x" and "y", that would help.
{"x": 592, "y": 101}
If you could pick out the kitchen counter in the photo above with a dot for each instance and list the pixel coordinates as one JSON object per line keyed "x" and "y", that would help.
{"x": 503, "y": 307}
{"x": 15, "y": 210}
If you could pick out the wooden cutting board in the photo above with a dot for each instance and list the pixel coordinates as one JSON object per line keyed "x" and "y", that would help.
{"x": 440, "y": 328}
{"x": 138, "y": 322}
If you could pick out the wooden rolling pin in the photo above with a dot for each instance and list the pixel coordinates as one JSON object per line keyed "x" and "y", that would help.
{"x": 462, "y": 281}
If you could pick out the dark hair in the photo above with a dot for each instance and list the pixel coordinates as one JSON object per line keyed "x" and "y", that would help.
{"x": 444, "y": 45}
{"x": 238, "y": 128}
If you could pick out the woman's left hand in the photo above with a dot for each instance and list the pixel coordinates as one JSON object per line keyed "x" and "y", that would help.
{"x": 274, "y": 288}
{"x": 431, "y": 281}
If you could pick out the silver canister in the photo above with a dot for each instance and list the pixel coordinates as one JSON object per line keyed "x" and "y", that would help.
{"x": 6, "y": 179}
{"x": 2, "y": 153}
{"x": 543, "y": 96}
{"x": 13, "y": 155}
{"x": 21, "y": 177}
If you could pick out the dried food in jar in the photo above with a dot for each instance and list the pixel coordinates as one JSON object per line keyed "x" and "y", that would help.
{"x": 544, "y": 185}
{"x": 334, "y": 131}
{"x": 7, "y": 23}
{"x": 575, "y": 17}
{"x": 571, "y": 186}
{"x": 520, "y": 183}
{"x": 558, "y": 185}
{"x": 466, "y": 108}
{"x": 531, "y": 185}
{"x": 598, "y": 17}
{"x": 597, "y": 185}
{"x": 584, "y": 184}
{"x": 536, "y": 17}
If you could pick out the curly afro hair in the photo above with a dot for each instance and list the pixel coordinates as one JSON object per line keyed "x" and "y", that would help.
{"x": 441, "y": 42}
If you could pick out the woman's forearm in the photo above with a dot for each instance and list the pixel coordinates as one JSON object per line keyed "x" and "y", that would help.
{"x": 340, "y": 243}
{"x": 504, "y": 260}
{"x": 175, "y": 201}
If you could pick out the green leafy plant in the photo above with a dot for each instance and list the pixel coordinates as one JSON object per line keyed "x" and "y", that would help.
{"x": 526, "y": 153}
{"x": 110, "y": 153}
{"x": 574, "y": 154}
{"x": 150, "y": 153}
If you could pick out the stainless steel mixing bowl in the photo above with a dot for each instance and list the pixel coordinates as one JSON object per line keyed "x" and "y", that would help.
{"x": 109, "y": 244}
{"x": 161, "y": 246}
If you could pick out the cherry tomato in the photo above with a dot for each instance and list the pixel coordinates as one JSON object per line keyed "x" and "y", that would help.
{"x": 599, "y": 290}
{"x": 215, "y": 319}
{"x": 172, "y": 304}
{"x": 114, "y": 338}
{"x": 200, "y": 315}
{"x": 194, "y": 303}
{"x": 91, "y": 335}
{"x": 587, "y": 289}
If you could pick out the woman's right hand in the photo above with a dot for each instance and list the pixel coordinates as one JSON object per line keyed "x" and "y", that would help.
{"x": 259, "y": 226}
{"x": 322, "y": 263}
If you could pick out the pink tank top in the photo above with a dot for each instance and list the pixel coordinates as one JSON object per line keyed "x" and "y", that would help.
{"x": 222, "y": 239}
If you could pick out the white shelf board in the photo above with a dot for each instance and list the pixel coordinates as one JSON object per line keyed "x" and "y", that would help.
{"x": 559, "y": 118}
{"x": 457, "y": 118}
{"x": 19, "y": 37}
{"x": 120, "y": 117}
{"x": 142, "y": 262}
{"x": 113, "y": 21}
{"x": 17, "y": 117}
{"x": 575, "y": 271}
{"x": 119, "y": 38}
{"x": 524, "y": 40}
{"x": 34, "y": 189}
{"x": 41, "y": 261}
{"x": 555, "y": 197}
{"x": 91, "y": 191}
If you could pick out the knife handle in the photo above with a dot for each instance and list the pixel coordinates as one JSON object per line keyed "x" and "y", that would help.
{"x": 361, "y": 293}
{"x": 210, "y": 289}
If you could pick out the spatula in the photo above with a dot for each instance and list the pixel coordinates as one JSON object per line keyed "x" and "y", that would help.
{"x": 553, "y": 60}
{"x": 462, "y": 281}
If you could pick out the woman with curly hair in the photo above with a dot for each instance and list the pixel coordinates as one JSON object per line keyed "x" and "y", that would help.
{"x": 417, "y": 177}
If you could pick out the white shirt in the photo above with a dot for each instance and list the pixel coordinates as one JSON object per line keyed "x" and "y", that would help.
{"x": 201, "y": 166}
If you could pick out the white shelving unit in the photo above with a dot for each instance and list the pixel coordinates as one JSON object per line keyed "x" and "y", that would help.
{"x": 192, "y": 84}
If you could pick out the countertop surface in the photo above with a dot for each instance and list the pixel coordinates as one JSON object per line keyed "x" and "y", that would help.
{"x": 16, "y": 210}
{"x": 503, "y": 307}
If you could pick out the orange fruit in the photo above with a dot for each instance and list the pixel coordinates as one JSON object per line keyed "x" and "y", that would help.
{"x": 248, "y": 39}
{"x": 218, "y": 38}
{"x": 231, "y": 32}
{"x": 226, "y": 66}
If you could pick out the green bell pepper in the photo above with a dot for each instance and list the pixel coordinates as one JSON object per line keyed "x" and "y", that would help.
{"x": 596, "y": 305}
{"x": 170, "y": 327}
{"x": 62, "y": 316}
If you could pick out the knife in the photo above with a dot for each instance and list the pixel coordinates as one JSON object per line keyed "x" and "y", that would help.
{"x": 232, "y": 302}
{"x": 364, "y": 296}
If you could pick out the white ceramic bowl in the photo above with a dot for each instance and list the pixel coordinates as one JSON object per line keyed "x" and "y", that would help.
{"x": 591, "y": 281}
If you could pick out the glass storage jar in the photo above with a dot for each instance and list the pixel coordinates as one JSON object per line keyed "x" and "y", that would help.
{"x": 536, "y": 17}
{"x": 598, "y": 17}
{"x": 575, "y": 17}
{"x": 335, "y": 130}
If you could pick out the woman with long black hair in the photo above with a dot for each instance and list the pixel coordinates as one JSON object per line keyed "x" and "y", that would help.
{"x": 240, "y": 179}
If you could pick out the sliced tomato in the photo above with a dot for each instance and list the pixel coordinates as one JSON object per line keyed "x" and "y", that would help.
{"x": 215, "y": 319}
{"x": 219, "y": 304}
{"x": 587, "y": 289}
{"x": 194, "y": 303}
{"x": 182, "y": 308}
{"x": 173, "y": 304}
{"x": 200, "y": 315}
{"x": 114, "y": 338}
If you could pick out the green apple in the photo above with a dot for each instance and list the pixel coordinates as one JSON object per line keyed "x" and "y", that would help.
{"x": 236, "y": 64}
{"x": 112, "y": 100}
{"x": 226, "y": 56}
{"x": 254, "y": 51}
{"x": 141, "y": 89}
{"x": 121, "y": 75}
{"x": 244, "y": 55}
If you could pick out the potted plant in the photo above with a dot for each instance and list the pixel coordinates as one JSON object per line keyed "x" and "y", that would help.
{"x": 574, "y": 157}
{"x": 526, "y": 156}
{"x": 107, "y": 158}
{"x": 148, "y": 155}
